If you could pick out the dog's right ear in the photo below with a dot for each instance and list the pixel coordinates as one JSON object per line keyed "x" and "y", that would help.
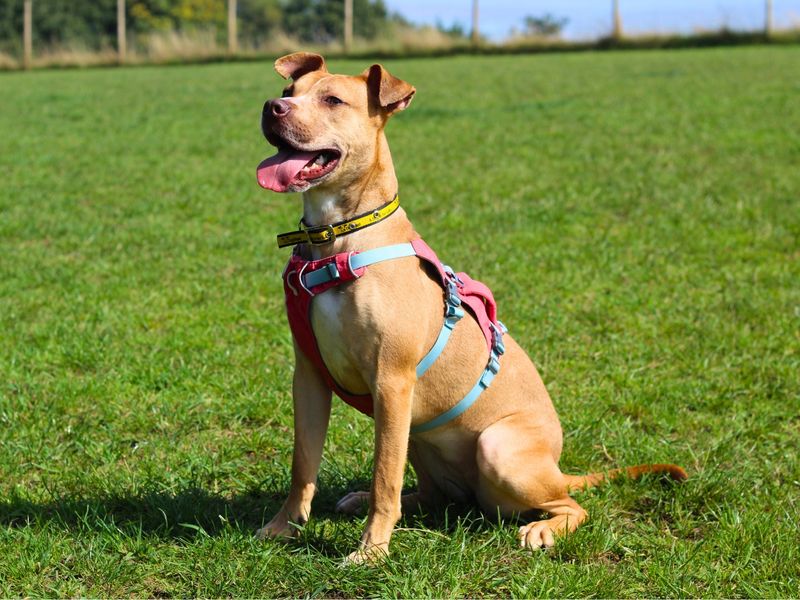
{"x": 298, "y": 64}
{"x": 391, "y": 93}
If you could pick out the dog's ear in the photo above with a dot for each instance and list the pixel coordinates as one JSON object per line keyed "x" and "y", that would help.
{"x": 298, "y": 64}
{"x": 390, "y": 93}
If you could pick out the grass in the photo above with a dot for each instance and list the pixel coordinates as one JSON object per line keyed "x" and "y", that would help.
{"x": 636, "y": 214}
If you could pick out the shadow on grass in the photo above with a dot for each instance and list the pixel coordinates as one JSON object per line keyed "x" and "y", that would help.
{"x": 183, "y": 514}
{"x": 194, "y": 511}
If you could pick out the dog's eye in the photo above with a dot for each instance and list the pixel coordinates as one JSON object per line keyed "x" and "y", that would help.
{"x": 333, "y": 100}
{"x": 286, "y": 93}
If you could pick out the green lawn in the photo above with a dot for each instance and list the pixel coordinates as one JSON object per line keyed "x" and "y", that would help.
{"x": 636, "y": 214}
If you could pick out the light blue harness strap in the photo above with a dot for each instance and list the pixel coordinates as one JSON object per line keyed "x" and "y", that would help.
{"x": 485, "y": 380}
{"x": 451, "y": 317}
{"x": 453, "y": 313}
{"x": 330, "y": 271}
{"x": 376, "y": 255}
{"x": 492, "y": 368}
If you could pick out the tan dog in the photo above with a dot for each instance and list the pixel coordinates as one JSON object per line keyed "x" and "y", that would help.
{"x": 502, "y": 452}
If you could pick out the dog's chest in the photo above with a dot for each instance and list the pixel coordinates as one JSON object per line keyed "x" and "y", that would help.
{"x": 329, "y": 319}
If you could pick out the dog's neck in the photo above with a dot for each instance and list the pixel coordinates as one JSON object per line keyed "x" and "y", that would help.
{"x": 323, "y": 206}
{"x": 377, "y": 186}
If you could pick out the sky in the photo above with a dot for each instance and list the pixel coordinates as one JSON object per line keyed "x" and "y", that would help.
{"x": 592, "y": 18}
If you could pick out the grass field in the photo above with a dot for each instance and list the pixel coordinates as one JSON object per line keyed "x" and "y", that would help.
{"x": 636, "y": 214}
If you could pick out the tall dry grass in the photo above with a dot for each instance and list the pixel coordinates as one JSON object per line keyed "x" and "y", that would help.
{"x": 205, "y": 45}
{"x": 277, "y": 43}
{"x": 7, "y": 62}
{"x": 401, "y": 38}
{"x": 170, "y": 46}
{"x": 202, "y": 45}
{"x": 74, "y": 56}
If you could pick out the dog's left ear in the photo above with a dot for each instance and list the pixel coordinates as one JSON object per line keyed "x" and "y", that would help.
{"x": 298, "y": 64}
{"x": 390, "y": 93}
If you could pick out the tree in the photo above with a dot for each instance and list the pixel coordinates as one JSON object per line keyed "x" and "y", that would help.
{"x": 258, "y": 19}
{"x": 322, "y": 21}
{"x": 455, "y": 30}
{"x": 545, "y": 26}
{"x": 92, "y": 24}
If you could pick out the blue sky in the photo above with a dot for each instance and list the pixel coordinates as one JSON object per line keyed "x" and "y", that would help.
{"x": 591, "y": 18}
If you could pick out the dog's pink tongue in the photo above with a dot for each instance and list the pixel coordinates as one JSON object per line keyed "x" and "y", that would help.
{"x": 277, "y": 172}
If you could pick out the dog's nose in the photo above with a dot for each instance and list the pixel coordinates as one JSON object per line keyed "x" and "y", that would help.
{"x": 278, "y": 107}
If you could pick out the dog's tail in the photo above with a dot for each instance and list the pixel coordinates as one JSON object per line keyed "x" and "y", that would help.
{"x": 582, "y": 482}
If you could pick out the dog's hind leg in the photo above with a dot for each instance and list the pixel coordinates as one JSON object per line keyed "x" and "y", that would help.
{"x": 427, "y": 494}
{"x": 518, "y": 473}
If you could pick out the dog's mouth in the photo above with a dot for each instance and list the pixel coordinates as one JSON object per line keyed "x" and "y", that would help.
{"x": 293, "y": 169}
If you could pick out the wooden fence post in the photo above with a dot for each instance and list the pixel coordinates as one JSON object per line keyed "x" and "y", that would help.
{"x": 348, "y": 26}
{"x": 476, "y": 32}
{"x": 769, "y": 24}
{"x": 233, "y": 36}
{"x": 617, "y": 31}
{"x": 122, "y": 43}
{"x": 27, "y": 34}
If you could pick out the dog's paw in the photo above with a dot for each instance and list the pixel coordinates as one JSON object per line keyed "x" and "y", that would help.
{"x": 354, "y": 503}
{"x": 371, "y": 555}
{"x": 536, "y": 535}
{"x": 277, "y": 528}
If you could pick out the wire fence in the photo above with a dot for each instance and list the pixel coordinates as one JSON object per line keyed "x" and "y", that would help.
{"x": 612, "y": 26}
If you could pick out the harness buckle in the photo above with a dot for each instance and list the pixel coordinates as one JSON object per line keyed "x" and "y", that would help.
{"x": 333, "y": 271}
{"x": 497, "y": 337}
{"x": 492, "y": 369}
{"x": 453, "y": 299}
{"x": 452, "y": 288}
{"x": 453, "y": 313}
{"x": 451, "y": 274}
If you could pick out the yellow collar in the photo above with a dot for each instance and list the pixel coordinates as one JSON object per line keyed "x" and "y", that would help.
{"x": 324, "y": 234}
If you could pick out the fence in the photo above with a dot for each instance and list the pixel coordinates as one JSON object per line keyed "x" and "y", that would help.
{"x": 616, "y": 28}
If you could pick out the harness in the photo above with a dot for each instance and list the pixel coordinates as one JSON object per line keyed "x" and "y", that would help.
{"x": 303, "y": 279}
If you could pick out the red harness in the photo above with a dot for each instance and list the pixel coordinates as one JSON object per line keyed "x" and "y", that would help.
{"x": 474, "y": 294}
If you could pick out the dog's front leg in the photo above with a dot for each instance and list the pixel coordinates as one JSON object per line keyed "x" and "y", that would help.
{"x": 312, "y": 409}
{"x": 393, "y": 399}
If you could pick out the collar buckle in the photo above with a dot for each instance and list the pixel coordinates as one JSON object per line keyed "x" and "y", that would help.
{"x": 318, "y": 236}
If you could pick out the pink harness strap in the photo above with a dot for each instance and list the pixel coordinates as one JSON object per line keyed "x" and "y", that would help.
{"x": 474, "y": 294}
{"x": 298, "y": 310}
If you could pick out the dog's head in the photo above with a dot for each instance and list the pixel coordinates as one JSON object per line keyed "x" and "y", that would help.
{"x": 326, "y": 127}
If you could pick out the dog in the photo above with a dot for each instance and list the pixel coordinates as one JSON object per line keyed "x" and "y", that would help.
{"x": 365, "y": 331}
